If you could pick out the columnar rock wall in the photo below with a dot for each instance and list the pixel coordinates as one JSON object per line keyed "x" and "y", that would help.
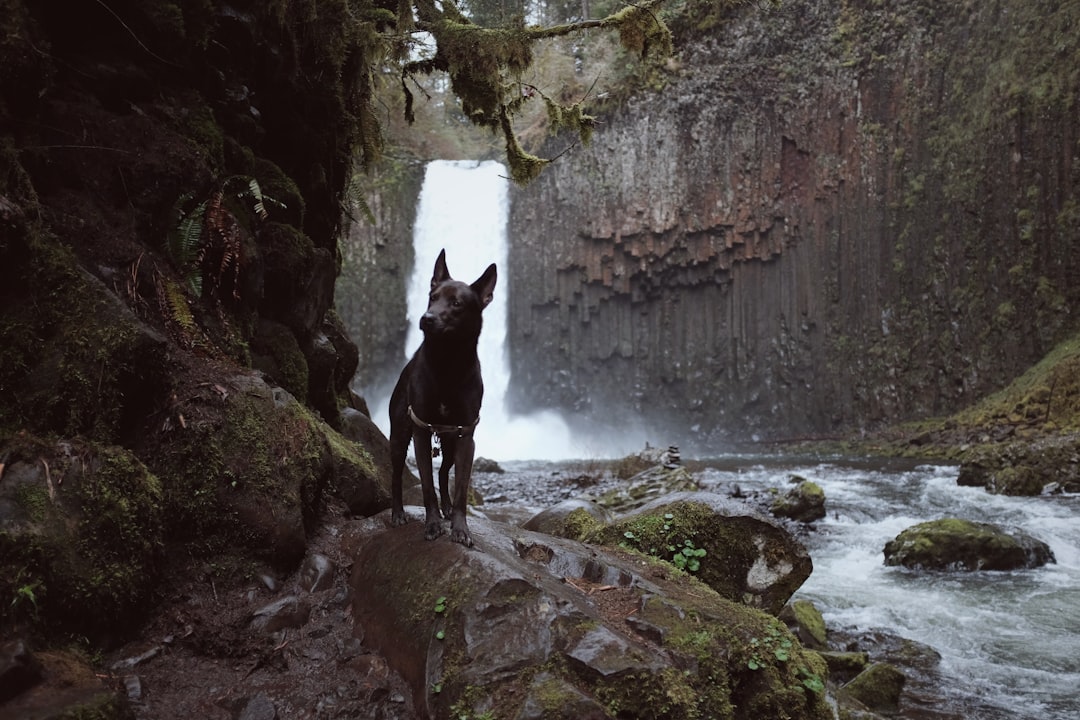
{"x": 830, "y": 218}
{"x": 377, "y": 262}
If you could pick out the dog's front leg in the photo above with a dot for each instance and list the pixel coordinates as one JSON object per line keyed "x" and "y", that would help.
{"x": 463, "y": 461}
{"x": 449, "y": 450}
{"x": 422, "y": 445}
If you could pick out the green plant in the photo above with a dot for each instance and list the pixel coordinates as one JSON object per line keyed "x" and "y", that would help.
{"x": 440, "y": 605}
{"x": 811, "y": 681}
{"x": 26, "y": 590}
{"x": 687, "y": 557}
{"x": 776, "y": 644}
{"x": 207, "y": 236}
{"x": 684, "y": 555}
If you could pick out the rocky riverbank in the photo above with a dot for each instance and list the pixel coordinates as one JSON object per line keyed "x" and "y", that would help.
{"x": 379, "y": 623}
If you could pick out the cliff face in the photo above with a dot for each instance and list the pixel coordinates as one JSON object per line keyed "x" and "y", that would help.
{"x": 377, "y": 262}
{"x": 834, "y": 215}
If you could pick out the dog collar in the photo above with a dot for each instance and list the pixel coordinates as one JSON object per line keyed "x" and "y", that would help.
{"x": 459, "y": 430}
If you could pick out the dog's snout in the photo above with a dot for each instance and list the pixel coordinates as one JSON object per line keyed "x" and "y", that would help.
{"x": 427, "y": 321}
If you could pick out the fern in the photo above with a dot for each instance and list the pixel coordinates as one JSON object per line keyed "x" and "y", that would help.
{"x": 184, "y": 241}
{"x": 206, "y": 241}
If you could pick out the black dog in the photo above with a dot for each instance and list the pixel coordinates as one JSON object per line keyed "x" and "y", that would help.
{"x": 439, "y": 393}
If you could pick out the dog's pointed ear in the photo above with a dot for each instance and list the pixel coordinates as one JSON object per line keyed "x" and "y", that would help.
{"x": 441, "y": 273}
{"x": 485, "y": 286}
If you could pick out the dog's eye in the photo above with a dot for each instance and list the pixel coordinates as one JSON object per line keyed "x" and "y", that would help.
{"x": 456, "y": 303}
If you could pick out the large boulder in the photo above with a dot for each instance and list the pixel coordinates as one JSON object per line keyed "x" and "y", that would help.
{"x": 527, "y": 625}
{"x": 249, "y": 467}
{"x": 954, "y": 544}
{"x": 747, "y": 558}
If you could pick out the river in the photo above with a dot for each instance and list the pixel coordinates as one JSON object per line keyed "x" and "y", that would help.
{"x": 1009, "y": 642}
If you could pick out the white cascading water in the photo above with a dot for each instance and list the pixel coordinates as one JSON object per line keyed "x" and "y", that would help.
{"x": 463, "y": 209}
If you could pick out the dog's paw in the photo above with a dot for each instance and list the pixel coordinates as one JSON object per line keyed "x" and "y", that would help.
{"x": 433, "y": 530}
{"x": 398, "y": 518}
{"x": 447, "y": 508}
{"x": 461, "y": 536}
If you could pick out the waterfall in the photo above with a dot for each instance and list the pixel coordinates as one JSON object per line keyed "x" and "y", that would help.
{"x": 463, "y": 209}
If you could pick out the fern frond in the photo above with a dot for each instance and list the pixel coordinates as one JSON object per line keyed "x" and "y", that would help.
{"x": 255, "y": 192}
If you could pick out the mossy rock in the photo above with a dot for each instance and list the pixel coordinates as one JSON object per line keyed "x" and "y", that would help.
{"x": 878, "y": 688}
{"x": 954, "y": 544}
{"x": 81, "y": 537}
{"x": 276, "y": 353}
{"x": 806, "y": 621}
{"x": 805, "y": 502}
{"x": 288, "y": 257}
{"x": 518, "y": 634}
{"x": 1023, "y": 468}
{"x": 75, "y": 359}
{"x": 844, "y": 665}
{"x": 251, "y": 468}
{"x": 575, "y": 519}
{"x": 246, "y": 469}
{"x": 746, "y": 558}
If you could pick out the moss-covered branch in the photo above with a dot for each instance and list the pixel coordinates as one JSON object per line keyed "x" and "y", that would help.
{"x": 485, "y": 66}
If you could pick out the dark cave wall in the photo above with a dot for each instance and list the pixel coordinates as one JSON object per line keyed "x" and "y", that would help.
{"x": 833, "y": 216}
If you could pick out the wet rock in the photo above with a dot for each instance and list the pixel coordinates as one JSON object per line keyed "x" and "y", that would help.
{"x": 549, "y": 691}
{"x": 843, "y": 666}
{"x": 259, "y": 707}
{"x": 1023, "y": 468}
{"x": 648, "y": 485}
{"x": 487, "y": 465}
{"x": 19, "y": 669}
{"x": 470, "y": 628}
{"x": 133, "y": 687}
{"x": 805, "y": 502}
{"x": 288, "y": 612}
{"x": 316, "y": 573}
{"x": 878, "y": 688}
{"x": 954, "y": 544}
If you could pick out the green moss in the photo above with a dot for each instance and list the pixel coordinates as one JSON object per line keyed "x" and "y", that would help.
{"x": 93, "y": 541}
{"x": 276, "y": 353}
{"x": 204, "y": 130}
{"x": 878, "y": 687}
{"x": 579, "y": 525}
{"x": 808, "y": 621}
{"x": 729, "y": 549}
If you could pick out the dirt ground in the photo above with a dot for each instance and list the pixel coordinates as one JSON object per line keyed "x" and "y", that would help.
{"x": 261, "y": 649}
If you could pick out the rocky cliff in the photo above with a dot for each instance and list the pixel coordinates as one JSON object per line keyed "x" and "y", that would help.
{"x": 833, "y": 215}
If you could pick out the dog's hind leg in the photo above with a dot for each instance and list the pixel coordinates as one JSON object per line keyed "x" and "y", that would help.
{"x": 422, "y": 446}
{"x": 400, "y": 435}
{"x": 463, "y": 461}
{"x": 448, "y": 450}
